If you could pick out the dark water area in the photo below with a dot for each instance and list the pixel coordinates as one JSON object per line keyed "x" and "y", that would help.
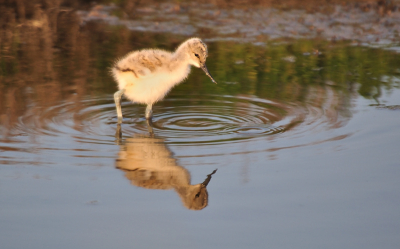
{"x": 304, "y": 134}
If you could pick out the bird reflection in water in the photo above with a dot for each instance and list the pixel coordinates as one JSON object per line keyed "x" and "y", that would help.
{"x": 148, "y": 163}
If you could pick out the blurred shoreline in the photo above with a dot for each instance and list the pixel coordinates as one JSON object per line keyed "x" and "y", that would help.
{"x": 254, "y": 21}
{"x": 358, "y": 22}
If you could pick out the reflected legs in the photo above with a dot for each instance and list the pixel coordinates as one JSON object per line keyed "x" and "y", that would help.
{"x": 118, "y": 135}
{"x": 150, "y": 127}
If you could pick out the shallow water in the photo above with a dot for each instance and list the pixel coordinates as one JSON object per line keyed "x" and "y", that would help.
{"x": 304, "y": 135}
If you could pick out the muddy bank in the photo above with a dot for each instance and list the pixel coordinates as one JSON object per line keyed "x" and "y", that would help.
{"x": 257, "y": 21}
{"x": 358, "y": 22}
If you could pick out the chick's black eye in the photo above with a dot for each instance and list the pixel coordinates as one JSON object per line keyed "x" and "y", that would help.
{"x": 196, "y": 55}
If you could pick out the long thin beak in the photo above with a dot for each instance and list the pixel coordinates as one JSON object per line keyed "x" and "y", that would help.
{"x": 207, "y": 180}
{"x": 203, "y": 66}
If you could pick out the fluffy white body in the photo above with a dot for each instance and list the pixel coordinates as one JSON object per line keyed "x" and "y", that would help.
{"x": 146, "y": 76}
{"x": 151, "y": 82}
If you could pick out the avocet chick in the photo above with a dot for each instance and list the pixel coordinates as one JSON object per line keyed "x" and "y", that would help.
{"x": 146, "y": 76}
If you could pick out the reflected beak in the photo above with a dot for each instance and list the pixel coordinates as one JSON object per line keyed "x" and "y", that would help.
{"x": 203, "y": 66}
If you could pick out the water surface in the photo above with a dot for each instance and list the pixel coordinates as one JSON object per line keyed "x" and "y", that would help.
{"x": 304, "y": 135}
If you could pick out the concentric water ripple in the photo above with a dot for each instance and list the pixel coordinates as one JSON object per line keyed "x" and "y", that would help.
{"x": 219, "y": 119}
{"x": 181, "y": 120}
{"x": 86, "y": 128}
